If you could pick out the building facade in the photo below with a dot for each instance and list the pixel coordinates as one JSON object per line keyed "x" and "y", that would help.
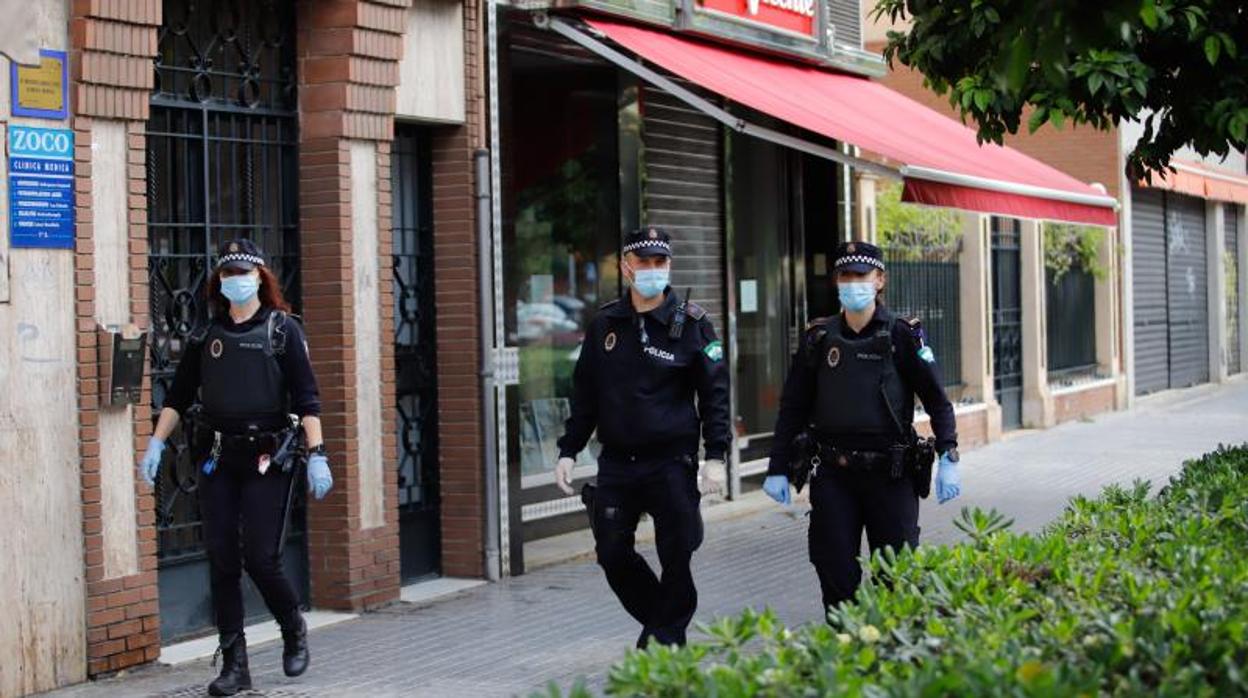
{"x": 333, "y": 133}
{"x": 1172, "y": 265}
{"x": 443, "y": 187}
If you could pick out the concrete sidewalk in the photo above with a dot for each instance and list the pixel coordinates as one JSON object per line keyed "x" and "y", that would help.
{"x": 561, "y": 622}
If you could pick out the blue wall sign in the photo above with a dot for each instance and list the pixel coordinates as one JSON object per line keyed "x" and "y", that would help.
{"x": 41, "y": 187}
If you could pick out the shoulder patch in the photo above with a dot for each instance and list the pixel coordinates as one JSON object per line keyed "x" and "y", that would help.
{"x": 915, "y": 326}
{"x": 714, "y": 351}
{"x": 694, "y": 310}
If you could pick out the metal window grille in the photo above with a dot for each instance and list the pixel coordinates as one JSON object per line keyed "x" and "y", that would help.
{"x": 1070, "y": 307}
{"x": 924, "y": 282}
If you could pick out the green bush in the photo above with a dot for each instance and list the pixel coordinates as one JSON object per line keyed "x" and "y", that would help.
{"x": 1123, "y": 595}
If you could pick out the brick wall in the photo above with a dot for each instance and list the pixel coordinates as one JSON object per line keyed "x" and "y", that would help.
{"x": 112, "y": 45}
{"x": 972, "y": 428}
{"x": 1082, "y": 152}
{"x": 348, "y": 68}
{"x": 461, "y": 441}
{"x": 1080, "y": 404}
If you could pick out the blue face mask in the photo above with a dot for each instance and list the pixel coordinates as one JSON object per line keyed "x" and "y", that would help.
{"x": 651, "y": 282}
{"x": 856, "y": 296}
{"x": 240, "y": 289}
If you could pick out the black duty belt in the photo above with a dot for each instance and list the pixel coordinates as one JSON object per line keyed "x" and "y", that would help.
{"x": 811, "y": 455}
{"x": 827, "y": 456}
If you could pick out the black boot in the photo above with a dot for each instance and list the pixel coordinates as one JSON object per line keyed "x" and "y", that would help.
{"x": 235, "y": 675}
{"x": 294, "y": 645}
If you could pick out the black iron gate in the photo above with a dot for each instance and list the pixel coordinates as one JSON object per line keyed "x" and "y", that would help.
{"x": 1070, "y": 316}
{"x": 415, "y": 358}
{"x": 1007, "y": 320}
{"x": 221, "y": 163}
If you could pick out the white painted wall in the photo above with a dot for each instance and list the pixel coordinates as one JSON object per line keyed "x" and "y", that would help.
{"x": 109, "y": 193}
{"x": 1234, "y": 162}
{"x": 365, "y": 250}
{"x": 42, "y": 627}
{"x": 431, "y": 73}
{"x": 878, "y": 31}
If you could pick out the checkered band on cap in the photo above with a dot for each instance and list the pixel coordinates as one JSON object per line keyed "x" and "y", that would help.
{"x": 647, "y": 243}
{"x": 240, "y": 257}
{"x": 860, "y": 259}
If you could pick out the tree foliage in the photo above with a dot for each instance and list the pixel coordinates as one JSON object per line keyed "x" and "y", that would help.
{"x": 909, "y": 226}
{"x": 1179, "y": 66}
{"x": 1069, "y": 247}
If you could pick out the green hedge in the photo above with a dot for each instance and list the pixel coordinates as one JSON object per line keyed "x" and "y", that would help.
{"x": 1123, "y": 595}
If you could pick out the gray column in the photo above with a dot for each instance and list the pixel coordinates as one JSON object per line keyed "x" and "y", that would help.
{"x": 1038, "y": 410}
{"x": 1215, "y": 238}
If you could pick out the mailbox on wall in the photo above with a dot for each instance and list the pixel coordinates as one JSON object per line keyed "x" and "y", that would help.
{"x": 122, "y": 352}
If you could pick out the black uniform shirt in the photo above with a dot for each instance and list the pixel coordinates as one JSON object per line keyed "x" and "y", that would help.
{"x": 636, "y": 386}
{"x": 301, "y": 386}
{"x": 922, "y": 377}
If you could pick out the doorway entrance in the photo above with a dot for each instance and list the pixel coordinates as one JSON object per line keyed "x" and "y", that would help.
{"x": 222, "y": 163}
{"x": 415, "y": 356}
{"x": 1007, "y": 320}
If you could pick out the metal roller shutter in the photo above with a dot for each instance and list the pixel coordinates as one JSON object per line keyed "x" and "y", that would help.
{"x": 681, "y": 193}
{"x": 1234, "y": 289}
{"x": 847, "y": 19}
{"x": 1148, "y": 261}
{"x": 1188, "y": 272}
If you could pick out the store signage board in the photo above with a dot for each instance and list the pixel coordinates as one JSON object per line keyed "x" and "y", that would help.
{"x": 794, "y": 17}
{"x": 41, "y": 187}
{"x": 41, "y": 91}
{"x": 799, "y": 30}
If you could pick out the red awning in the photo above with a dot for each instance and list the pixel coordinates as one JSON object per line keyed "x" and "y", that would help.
{"x": 939, "y": 158}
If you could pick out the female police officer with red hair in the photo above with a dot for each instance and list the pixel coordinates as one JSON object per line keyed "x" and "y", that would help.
{"x": 249, "y": 371}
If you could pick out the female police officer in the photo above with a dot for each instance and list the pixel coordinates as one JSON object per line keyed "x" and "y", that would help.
{"x": 852, "y": 388}
{"x": 249, "y": 370}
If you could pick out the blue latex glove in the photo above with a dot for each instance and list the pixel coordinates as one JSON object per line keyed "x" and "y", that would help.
{"x": 150, "y": 465}
{"x": 777, "y": 487}
{"x": 948, "y": 481}
{"x": 319, "y": 479}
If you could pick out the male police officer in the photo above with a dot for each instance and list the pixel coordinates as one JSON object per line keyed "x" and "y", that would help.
{"x": 852, "y": 388}
{"x": 644, "y": 358}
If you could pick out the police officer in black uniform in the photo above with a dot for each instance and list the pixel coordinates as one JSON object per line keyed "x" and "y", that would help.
{"x": 851, "y": 390}
{"x": 249, "y": 371}
{"x": 644, "y": 359}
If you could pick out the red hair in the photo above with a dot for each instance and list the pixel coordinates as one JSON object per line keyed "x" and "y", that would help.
{"x": 270, "y": 293}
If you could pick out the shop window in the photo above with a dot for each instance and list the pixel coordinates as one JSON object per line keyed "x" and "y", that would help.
{"x": 561, "y": 240}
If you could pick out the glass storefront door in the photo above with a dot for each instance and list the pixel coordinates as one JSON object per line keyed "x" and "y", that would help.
{"x": 759, "y": 195}
{"x": 561, "y": 232}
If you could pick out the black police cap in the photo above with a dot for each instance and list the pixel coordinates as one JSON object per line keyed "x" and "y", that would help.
{"x": 650, "y": 241}
{"x": 241, "y": 254}
{"x": 858, "y": 257}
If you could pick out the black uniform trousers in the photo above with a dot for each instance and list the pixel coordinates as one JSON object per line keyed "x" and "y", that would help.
{"x": 668, "y": 491}
{"x": 236, "y": 493}
{"x": 844, "y": 502}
